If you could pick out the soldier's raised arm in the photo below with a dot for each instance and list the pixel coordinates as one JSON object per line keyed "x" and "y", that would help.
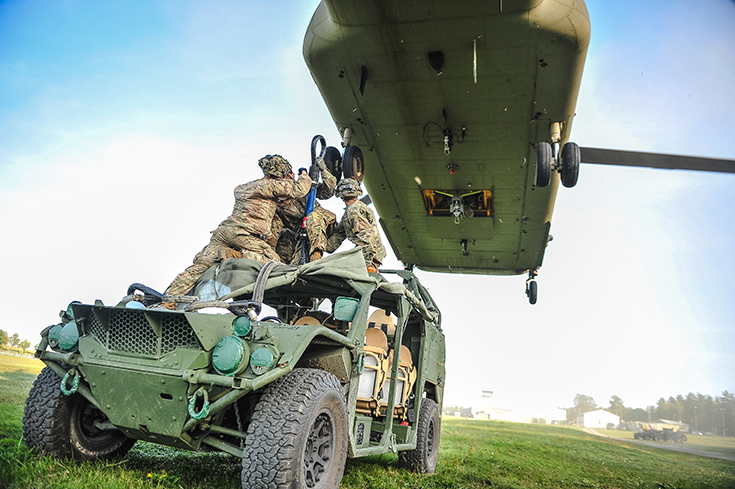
{"x": 283, "y": 186}
{"x": 325, "y": 189}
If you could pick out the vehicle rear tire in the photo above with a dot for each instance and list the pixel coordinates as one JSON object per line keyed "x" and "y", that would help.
{"x": 543, "y": 164}
{"x": 63, "y": 426}
{"x": 297, "y": 437}
{"x": 570, "y": 159}
{"x": 424, "y": 457}
{"x": 352, "y": 163}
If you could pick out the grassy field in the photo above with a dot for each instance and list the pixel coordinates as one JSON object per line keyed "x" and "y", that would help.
{"x": 473, "y": 454}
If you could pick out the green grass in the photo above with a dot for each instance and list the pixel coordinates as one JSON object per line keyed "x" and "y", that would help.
{"x": 473, "y": 454}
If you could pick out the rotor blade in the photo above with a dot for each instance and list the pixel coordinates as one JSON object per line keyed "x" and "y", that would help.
{"x": 599, "y": 156}
{"x": 366, "y": 200}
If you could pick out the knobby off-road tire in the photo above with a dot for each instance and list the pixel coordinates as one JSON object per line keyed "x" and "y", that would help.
{"x": 297, "y": 437}
{"x": 424, "y": 457}
{"x": 62, "y": 426}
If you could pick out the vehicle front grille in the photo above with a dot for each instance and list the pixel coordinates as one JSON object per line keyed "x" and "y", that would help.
{"x": 131, "y": 332}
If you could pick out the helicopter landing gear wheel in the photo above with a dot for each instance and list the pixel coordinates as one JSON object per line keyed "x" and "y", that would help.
{"x": 532, "y": 286}
{"x": 532, "y": 291}
{"x": 543, "y": 164}
{"x": 352, "y": 163}
{"x": 570, "y": 159}
{"x": 333, "y": 160}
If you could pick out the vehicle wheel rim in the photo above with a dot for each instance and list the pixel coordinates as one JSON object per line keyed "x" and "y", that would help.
{"x": 318, "y": 452}
{"x": 87, "y": 415}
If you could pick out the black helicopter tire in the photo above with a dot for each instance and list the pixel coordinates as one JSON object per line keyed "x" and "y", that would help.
{"x": 570, "y": 159}
{"x": 297, "y": 437}
{"x": 333, "y": 160}
{"x": 543, "y": 164}
{"x": 532, "y": 292}
{"x": 424, "y": 457}
{"x": 353, "y": 165}
{"x": 63, "y": 426}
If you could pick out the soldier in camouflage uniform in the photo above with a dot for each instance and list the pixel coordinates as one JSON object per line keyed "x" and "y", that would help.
{"x": 247, "y": 232}
{"x": 319, "y": 223}
{"x": 357, "y": 225}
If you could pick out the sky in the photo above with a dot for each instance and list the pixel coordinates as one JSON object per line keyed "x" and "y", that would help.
{"x": 125, "y": 126}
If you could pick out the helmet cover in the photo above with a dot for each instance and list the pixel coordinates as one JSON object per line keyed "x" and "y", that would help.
{"x": 275, "y": 166}
{"x": 348, "y": 187}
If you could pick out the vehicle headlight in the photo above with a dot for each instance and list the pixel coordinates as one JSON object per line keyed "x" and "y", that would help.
{"x": 263, "y": 359}
{"x": 230, "y": 356}
{"x": 53, "y": 336}
{"x": 69, "y": 337}
{"x": 242, "y": 325}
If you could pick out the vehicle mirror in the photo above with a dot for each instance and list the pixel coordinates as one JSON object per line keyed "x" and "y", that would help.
{"x": 345, "y": 308}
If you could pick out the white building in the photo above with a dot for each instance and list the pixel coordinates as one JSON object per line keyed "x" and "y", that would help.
{"x": 597, "y": 419}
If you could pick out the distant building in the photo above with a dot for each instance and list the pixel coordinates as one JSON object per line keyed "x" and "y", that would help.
{"x": 597, "y": 419}
{"x": 499, "y": 414}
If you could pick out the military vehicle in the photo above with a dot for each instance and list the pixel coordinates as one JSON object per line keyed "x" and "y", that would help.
{"x": 665, "y": 434}
{"x": 350, "y": 364}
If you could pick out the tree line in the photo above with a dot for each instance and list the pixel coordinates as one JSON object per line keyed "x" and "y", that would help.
{"x": 14, "y": 340}
{"x": 701, "y": 412}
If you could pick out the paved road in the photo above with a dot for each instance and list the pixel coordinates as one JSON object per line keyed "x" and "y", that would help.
{"x": 674, "y": 447}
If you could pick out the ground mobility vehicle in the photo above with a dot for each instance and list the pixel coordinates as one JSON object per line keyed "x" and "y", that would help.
{"x": 293, "y": 394}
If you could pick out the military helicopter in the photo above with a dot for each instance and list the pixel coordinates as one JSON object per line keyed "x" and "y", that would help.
{"x": 464, "y": 112}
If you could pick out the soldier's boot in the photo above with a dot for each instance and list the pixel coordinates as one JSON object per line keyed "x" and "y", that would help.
{"x": 169, "y": 305}
{"x": 316, "y": 255}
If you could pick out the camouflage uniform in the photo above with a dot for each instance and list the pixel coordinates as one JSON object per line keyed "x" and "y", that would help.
{"x": 247, "y": 232}
{"x": 319, "y": 223}
{"x": 358, "y": 226}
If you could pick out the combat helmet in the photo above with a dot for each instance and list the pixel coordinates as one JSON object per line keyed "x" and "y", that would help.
{"x": 275, "y": 166}
{"x": 348, "y": 187}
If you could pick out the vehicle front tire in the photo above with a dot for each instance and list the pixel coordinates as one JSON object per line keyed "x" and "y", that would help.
{"x": 297, "y": 437}
{"x": 63, "y": 426}
{"x": 423, "y": 458}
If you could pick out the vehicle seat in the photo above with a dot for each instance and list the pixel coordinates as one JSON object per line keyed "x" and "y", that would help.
{"x": 319, "y": 318}
{"x": 304, "y": 320}
{"x": 381, "y": 319}
{"x": 374, "y": 372}
{"x": 404, "y": 383}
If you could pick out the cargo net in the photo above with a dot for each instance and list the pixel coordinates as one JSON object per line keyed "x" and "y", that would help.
{"x": 130, "y": 332}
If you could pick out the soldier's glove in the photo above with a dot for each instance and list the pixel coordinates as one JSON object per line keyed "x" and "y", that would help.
{"x": 302, "y": 170}
{"x": 320, "y": 163}
{"x": 314, "y": 172}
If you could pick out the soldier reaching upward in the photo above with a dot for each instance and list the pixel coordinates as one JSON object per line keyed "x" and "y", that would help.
{"x": 319, "y": 223}
{"x": 357, "y": 225}
{"x": 247, "y": 232}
